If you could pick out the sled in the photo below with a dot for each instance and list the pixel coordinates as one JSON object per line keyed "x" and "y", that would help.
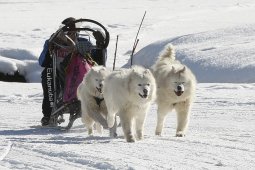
{"x": 71, "y": 61}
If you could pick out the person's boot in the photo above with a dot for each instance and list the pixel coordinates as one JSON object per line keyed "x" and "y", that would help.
{"x": 45, "y": 121}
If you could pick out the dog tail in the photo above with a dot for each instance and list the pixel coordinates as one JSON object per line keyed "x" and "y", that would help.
{"x": 168, "y": 52}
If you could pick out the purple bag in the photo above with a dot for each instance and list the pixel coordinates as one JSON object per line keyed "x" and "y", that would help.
{"x": 75, "y": 72}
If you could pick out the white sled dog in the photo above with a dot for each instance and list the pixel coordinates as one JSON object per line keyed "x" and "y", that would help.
{"x": 129, "y": 93}
{"x": 175, "y": 90}
{"x": 90, "y": 93}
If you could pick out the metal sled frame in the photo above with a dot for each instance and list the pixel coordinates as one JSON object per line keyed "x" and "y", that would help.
{"x": 73, "y": 107}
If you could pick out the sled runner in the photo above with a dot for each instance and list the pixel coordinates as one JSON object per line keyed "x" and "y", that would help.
{"x": 74, "y": 50}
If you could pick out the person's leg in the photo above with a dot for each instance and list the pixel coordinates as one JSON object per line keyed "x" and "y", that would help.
{"x": 48, "y": 98}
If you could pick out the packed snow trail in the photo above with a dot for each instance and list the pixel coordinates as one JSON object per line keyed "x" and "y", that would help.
{"x": 221, "y": 134}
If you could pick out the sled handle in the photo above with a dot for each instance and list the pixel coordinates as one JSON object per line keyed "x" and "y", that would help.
{"x": 102, "y": 40}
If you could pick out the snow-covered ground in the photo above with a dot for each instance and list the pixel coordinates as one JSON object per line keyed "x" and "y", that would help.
{"x": 221, "y": 135}
{"x": 216, "y": 39}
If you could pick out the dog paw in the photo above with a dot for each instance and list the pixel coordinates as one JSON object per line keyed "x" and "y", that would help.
{"x": 180, "y": 134}
{"x": 139, "y": 135}
{"x": 99, "y": 128}
{"x": 113, "y": 134}
{"x": 158, "y": 133}
{"x": 131, "y": 140}
{"x": 110, "y": 121}
{"x": 140, "y": 138}
{"x": 90, "y": 132}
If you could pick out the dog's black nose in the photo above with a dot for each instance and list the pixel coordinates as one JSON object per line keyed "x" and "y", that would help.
{"x": 100, "y": 85}
{"x": 145, "y": 91}
{"x": 179, "y": 88}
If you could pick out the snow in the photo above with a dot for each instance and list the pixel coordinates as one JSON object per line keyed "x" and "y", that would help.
{"x": 221, "y": 135}
{"x": 214, "y": 38}
{"x": 223, "y": 55}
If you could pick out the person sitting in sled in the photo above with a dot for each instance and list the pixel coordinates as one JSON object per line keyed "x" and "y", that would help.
{"x": 74, "y": 54}
{"x": 45, "y": 60}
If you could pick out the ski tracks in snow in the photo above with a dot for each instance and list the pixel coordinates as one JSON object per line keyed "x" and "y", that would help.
{"x": 6, "y": 151}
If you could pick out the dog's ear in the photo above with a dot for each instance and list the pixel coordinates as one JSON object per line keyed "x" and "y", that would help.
{"x": 107, "y": 71}
{"x": 133, "y": 69}
{"x": 182, "y": 70}
{"x": 92, "y": 69}
{"x": 147, "y": 71}
{"x": 173, "y": 69}
{"x": 102, "y": 70}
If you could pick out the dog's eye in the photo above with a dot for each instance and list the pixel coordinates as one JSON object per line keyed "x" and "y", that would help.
{"x": 148, "y": 84}
{"x": 96, "y": 79}
{"x": 139, "y": 84}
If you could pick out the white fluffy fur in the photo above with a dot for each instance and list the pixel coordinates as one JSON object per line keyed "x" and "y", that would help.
{"x": 91, "y": 87}
{"x": 129, "y": 93}
{"x": 176, "y": 90}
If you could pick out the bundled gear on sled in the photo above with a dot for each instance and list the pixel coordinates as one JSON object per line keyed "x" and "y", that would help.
{"x": 66, "y": 57}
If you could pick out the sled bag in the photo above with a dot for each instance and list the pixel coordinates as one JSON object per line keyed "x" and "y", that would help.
{"x": 75, "y": 72}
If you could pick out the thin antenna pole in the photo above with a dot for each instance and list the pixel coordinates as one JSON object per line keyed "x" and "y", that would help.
{"x": 136, "y": 41}
{"x": 115, "y": 52}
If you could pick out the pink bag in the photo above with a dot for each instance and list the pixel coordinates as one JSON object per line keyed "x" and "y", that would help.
{"x": 75, "y": 72}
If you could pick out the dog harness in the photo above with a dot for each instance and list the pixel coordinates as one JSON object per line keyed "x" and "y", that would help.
{"x": 98, "y": 100}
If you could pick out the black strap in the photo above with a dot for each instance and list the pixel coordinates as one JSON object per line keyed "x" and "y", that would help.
{"x": 98, "y": 100}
